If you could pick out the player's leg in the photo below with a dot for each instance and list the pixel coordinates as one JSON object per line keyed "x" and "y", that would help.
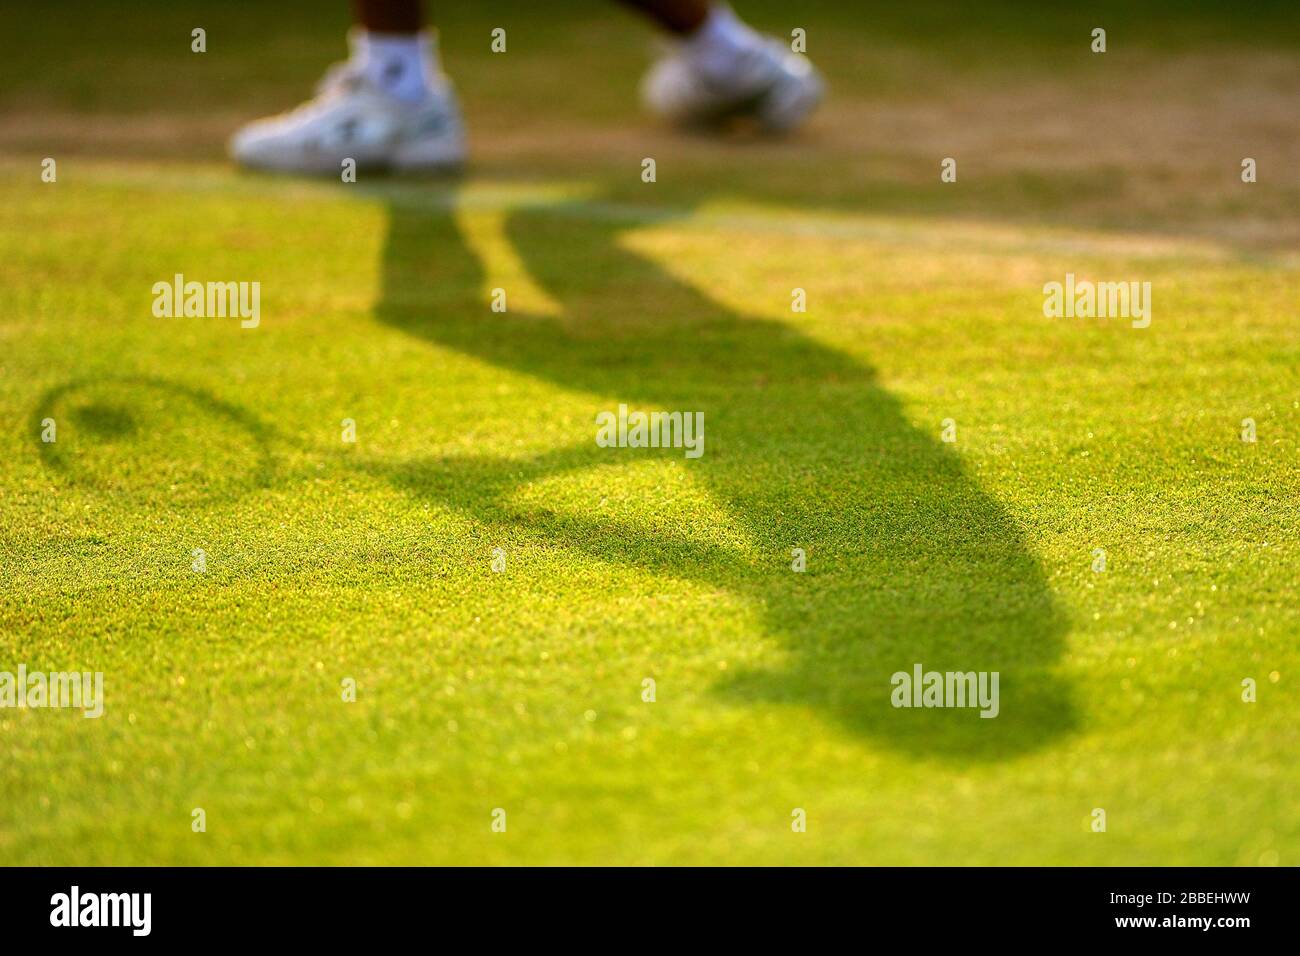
{"x": 388, "y": 105}
{"x": 722, "y": 68}
{"x": 682, "y": 17}
{"x": 389, "y": 16}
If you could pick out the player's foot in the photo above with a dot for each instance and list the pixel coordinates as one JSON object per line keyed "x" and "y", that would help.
{"x": 351, "y": 117}
{"x": 758, "y": 77}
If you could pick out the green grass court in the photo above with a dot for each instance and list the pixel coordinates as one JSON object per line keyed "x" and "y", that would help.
{"x": 475, "y": 430}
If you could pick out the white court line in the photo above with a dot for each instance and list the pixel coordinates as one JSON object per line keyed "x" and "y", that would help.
{"x": 574, "y": 200}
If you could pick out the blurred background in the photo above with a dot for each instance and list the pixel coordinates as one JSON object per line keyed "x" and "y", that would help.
{"x": 1147, "y": 133}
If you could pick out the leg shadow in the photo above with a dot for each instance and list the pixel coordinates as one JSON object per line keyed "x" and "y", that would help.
{"x": 909, "y": 561}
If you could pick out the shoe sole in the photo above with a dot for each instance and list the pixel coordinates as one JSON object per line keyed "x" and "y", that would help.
{"x": 780, "y": 111}
{"x": 428, "y": 156}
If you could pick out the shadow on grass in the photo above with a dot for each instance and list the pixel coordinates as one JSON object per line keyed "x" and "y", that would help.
{"x": 129, "y": 435}
{"x": 909, "y": 561}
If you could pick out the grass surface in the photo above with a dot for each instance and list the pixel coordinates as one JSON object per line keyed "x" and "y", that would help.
{"x": 523, "y": 690}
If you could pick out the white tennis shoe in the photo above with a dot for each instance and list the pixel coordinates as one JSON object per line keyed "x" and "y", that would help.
{"x": 767, "y": 83}
{"x": 351, "y": 118}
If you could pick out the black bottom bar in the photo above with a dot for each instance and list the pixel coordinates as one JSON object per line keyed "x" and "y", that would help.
{"x": 331, "y": 906}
